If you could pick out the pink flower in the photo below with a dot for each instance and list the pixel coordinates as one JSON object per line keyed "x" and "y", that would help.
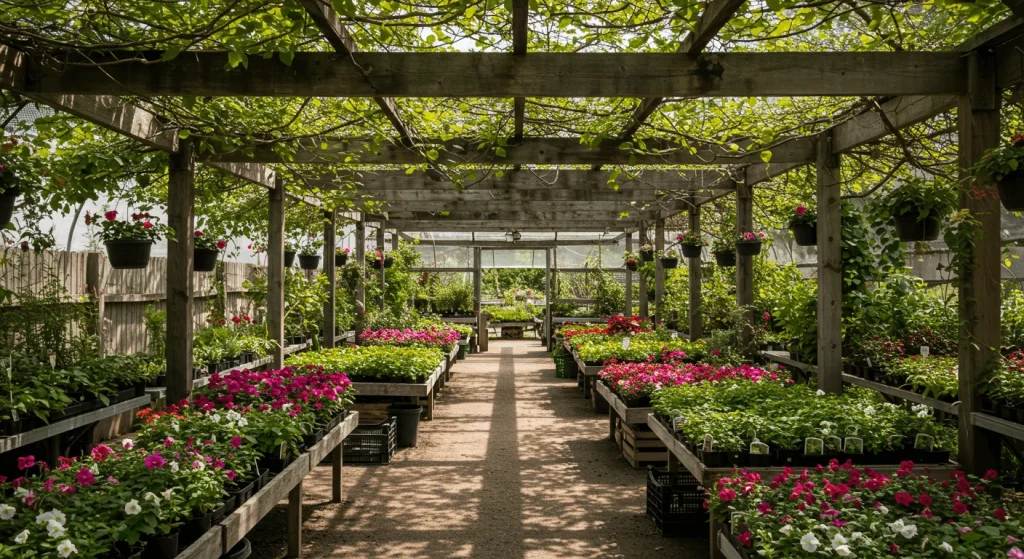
{"x": 168, "y": 441}
{"x": 231, "y": 474}
{"x": 801, "y": 210}
{"x": 154, "y": 461}
{"x": 111, "y": 215}
{"x": 991, "y": 475}
{"x": 744, "y": 538}
{"x": 85, "y": 477}
{"x": 26, "y": 462}
{"x": 959, "y": 508}
{"x": 767, "y": 316}
{"x": 221, "y": 244}
{"x": 764, "y": 508}
{"x": 904, "y": 498}
{"x": 726, "y": 495}
{"x": 147, "y": 225}
{"x": 925, "y": 500}
{"x": 1000, "y": 514}
{"x": 236, "y": 441}
{"x": 100, "y": 452}
{"x": 199, "y": 233}
{"x": 1015, "y": 553}
{"x": 113, "y": 480}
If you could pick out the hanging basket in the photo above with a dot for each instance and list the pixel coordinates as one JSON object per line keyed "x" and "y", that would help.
{"x": 340, "y": 259}
{"x": 1011, "y": 191}
{"x": 691, "y": 251}
{"x": 631, "y": 266}
{"x": 909, "y": 228}
{"x": 669, "y": 263}
{"x": 128, "y": 254}
{"x": 309, "y": 261}
{"x": 806, "y": 234}
{"x": 647, "y": 255}
{"x": 748, "y": 248}
{"x": 204, "y": 259}
{"x": 377, "y": 264}
{"x": 725, "y": 259}
{"x": 7, "y": 200}
{"x": 289, "y": 258}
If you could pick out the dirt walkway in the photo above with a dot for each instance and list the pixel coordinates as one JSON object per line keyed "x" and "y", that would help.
{"x": 514, "y": 465}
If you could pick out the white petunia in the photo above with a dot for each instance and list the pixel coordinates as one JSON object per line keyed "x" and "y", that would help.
{"x": 150, "y": 496}
{"x": 215, "y": 418}
{"x": 174, "y": 467}
{"x": 131, "y": 508}
{"x": 20, "y": 492}
{"x": 843, "y": 551}
{"x": 174, "y": 425}
{"x": 908, "y": 531}
{"x": 213, "y": 438}
{"x": 944, "y": 546}
{"x": 22, "y": 537}
{"x": 821, "y": 392}
{"x": 786, "y": 529}
{"x": 6, "y": 512}
{"x": 242, "y": 422}
{"x": 66, "y": 548}
{"x": 95, "y": 469}
{"x": 809, "y": 542}
{"x": 838, "y": 540}
{"x": 896, "y": 526}
{"x": 59, "y": 516}
{"x": 54, "y": 529}
{"x": 167, "y": 494}
{"x": 883, "y": 510}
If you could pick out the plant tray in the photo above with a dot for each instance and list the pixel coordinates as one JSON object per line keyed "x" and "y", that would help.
{"x": 371, "y": 444}
{"x": 675, "y": 501}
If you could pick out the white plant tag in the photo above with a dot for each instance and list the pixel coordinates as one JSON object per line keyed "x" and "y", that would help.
{"x": 758, "y": 447}
{"x": 625, "y": 343}
{"x": 925, "y": 350}
{"x": 834, "y": 444}
{"x": 53, "y": 361}
{"x": 773, "y": 367}
{"x": 853, "y": 445}
{"x": 924, "y": 442}
{"x": 869, "y": 363}
{"x": 814, "y": 446}
{"x": 709, "y": 443}
{"x": 678, "y": 421}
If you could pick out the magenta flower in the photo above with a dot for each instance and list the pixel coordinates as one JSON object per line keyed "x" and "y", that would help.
{"x": 236, "y": 441}
{"x": 26, "y": 462}
{"x": 801, "y": 210}
{"x": 154, "y": 461}
{"x": 85, "y": 477}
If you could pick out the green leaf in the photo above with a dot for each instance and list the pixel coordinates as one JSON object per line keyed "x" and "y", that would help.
{"x": 171, "y": 53}
{"x": 766, "y": 156}
{"x": 286, "y": 57}
{"x": 184, "y": 133}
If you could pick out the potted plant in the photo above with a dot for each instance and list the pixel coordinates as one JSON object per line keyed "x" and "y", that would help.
{"x": 309, "y": 254}
{"x": 647, "y": 253}
{"x": 341, "y": 256}
{"x": 725, "y": 252}
{"x": 205, "y": 252}
{"x": 128, "y": 242}
{"x": 691, "y": 244}
{"x": 289, "y": 254}
{"x": 1005, "y": 166}
{"x": 19, "y": 174}
{"x": 804, "y": 225}
{"x": 918, "y": 207}
{"x": 381, "y": 260}
{"x": 669, "y": 260}
{"x": 632, "y": 261}
{"x": 749, "y": 244}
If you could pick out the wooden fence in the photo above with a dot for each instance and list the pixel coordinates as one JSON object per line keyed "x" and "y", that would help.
{"x": 122, "y": 295}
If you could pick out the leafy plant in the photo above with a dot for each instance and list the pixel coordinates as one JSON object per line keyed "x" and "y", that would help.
{"x": 142, "y": 227}
{"x": 803, "y": 215}
{"x": 931, "y": 199}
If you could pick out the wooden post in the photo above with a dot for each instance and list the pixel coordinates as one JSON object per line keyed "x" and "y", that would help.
{"x": 696, "y": 315}
{"x": 295, "y": 521}
{"x": 659, "y": 271}
{"x": 830, "y": 269}
{"x": 360, "y": 256}
{"x": 380, "y": 247}
{"x": 641, "y": 282}
{"x": 478, "y": 299}
{"x": 745, "y": 264}
{"x": 275, "y": 272}
{"x": 336, "y": 474}
{"x": 94, "y": 282}
{"x": 330, "y": 232}
{"x": 979, "y": 289}
{"x": 554, "y": 271}
{"x": 181, "y": 218}
{"x": 629, "y": 279}
{"x": 547, "y": 298}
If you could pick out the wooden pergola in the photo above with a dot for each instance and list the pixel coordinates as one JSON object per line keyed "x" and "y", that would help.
{"x": 531, "y": 194}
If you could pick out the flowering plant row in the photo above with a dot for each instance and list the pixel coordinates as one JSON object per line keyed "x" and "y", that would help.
{"x": 640, "y": 349}
{"x": 513, "y": 313}
{"x": 375, "y": 363}
{"x": 141, "y": 227}
{"x": 848, "y": 512}
{"x": 433, "y": 336}
{"x": 636, "y": 382}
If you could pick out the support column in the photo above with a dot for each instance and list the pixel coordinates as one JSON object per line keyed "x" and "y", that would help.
{"x": 659, "y": 271}
{"x": 295, "y": 521}
{"x": 547, "y": 298}
{"x": 481, "y": 333}
{"x": 745, "y": 264}
{"x": 979, "y": 289}
{"x": 380, "y": 247}
{"x": 330, "y": 232}
{"x": 830, "y": 269}
{"x": 275, "y": 272}
{"x": 360, "y": 256}
{"x": 94, "y": 282}
{"x": 629, "y": 279}
{"x": 181, "y": 218}
{"x": 641, "y": 282}
{"x": 696, "y": 315}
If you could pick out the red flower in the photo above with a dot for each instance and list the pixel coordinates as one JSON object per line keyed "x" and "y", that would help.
{"x": 199, "y": 233}
{"x": 221, "y": 244}
{"x": 744, "y": 538}
{"x": 236, "y": 319}
{"x": 801, "y": 210}
{"x": 999, "y": 514}
{"x": 85, "y": 477}
{"x": 147, "y": 225}
{"x": 925, "y": 500}
{"x": 959, "y": 508}
{"x": 111, "y": 215}
{"x": 88, "y": 218}
{"x": 26, "y": 462}
{"x": 991, "y": 475}
{"x": 904, "y": 498}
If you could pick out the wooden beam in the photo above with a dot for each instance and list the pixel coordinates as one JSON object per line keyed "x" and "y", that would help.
{"x": 641, "y": 281}
{"x": 475, "y": 195}
{"x": 330, "y": 239}
{"x": 275, "y": 272}
{"x": 181, "y": 218}
{"x": 252, "y": 172}
{"x": 518, "y": 244}
{"x": 552, "y": 214}
{"x": 520, "y": 36}
{"x": 628, "y": 311}
{"x": 13, "y": 68}
{"x": 830, "y": 269}
{"x": 526, "y": 207}
{"x": 499, "y": 226}
{"x": 527, "y": 151}
{"x": 528, "y": 179}
{"x": 118, "y": 115}
{"x": 659, "y": 270}
{"x": 464, "y": 74}
{"x": 745, "y": 268}
{"x": 360, "y": 256}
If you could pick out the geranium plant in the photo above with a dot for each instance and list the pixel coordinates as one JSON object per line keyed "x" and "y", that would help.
{"x": 208, "y": 242}
{"x": 723, "y": 246}
{"x": 999, "y": 162}
{"x": 748, "y": 237}
{"x": 141, "y": 227}
{"x": 690, "y": 239}
{"x": 803, "y": 215}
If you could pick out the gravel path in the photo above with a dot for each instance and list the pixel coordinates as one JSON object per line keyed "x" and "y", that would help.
{"x": 514, "y": 465}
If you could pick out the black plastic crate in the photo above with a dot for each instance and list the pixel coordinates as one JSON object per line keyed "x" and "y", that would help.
{"x": 675, "y": 501}
{"x": 372, "y": 443}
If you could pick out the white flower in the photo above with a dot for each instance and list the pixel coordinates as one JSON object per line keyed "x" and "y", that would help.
{"x": 843, "y": 551}
{"x": 127, "y": 444}
{"x": 54, "y": 529}
{"x": 286, "y": 407}
{"x": 838, "y": 540}
{"x": 213, "y": 438}
{"x": 22, "y": 537}
{"x": 167, "y": 494}
{"x": 215, "y": 418}
{"x": 883, "y": 510}
{"x": 242, "y": 422}
{"x": 232, "y": 415}
{"x": 856, "y": 536}
{"x": 131, "y": 508}
{"x": 174, "y": 467}
{"x": 908, "y": 531}
{"x": 821, "y": 392}
{"x": 95, "y": 469}
{"x": 20, "y": 492}
{"x": 809, "y": 542}
{"x": 895, "y": 526}
{"x": 6, "y": 512}
{"x": 66, "y": 548}
{"x": 174, "y": 425}
{"x": 786, "y": 529}
{"x": 59, "y": 517}
{"x": 944, "y": 546}
{"x": 869, "y": 410}
{"x": 150, "y": 496}
{"x": 199, "y": 465}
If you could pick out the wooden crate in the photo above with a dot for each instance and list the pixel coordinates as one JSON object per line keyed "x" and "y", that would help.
{"x": 640, "y": 446}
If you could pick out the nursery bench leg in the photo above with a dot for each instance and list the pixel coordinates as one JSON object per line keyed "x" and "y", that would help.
{"x": 295, "y": 521}
{"x": 612, "y": 417}
{"x": 336, "y": 459}
{"x": 673, "y": 463}
{"x": 714, "y": 528}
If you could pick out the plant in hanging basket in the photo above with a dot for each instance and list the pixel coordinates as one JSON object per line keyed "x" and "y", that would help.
{"x": 1005, "y": 166}
{"x": 803, "y": 222}
{"x": 918, "y": 206}
{"x": 749, "y": 244}
{"x": 691, "y": 244}
{"x": 290, "y": 250}
{"x": 381, "y": 260}
{"x": 341, "y": 256}
{"x": 669, "y": 260}
{"x": 647, "y": 253}
{"x": 725, "y": 252}
{"x": 128, "y": 242}
{"x": 309, "y": 253}
{"x": 20, "y": 173}
{"x": 205, "y": 251}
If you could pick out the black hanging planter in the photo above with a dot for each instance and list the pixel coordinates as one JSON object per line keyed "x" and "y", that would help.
{"x": 631, "y": 266}
{"x": 911, "y": 229}
{"x": 128, "y": 254}
{"x": 1011, "y": 192}
{"x": 309, "y": 261}
{"x": 691, "y": 251}
{"x": 725, "y": 259}
{"x": 7, "y": 200}
{"x": 377, "y": 264}
{"x": 748, "y": 248}
{"x": 669, "y": 263}
{"x": 806, "y": 234}
{"x": 647, "y": 255}
{"x": 289, "y": 258}
{"x": 340, "y": 259}
{"x": 204, "y": 259}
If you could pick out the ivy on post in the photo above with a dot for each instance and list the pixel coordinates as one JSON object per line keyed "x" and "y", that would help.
{"x": 979, "y": 285}
{"x": 830, "y": 269}
{"x": 745, "y": 266}
{"x": 360, "y": 303}
{"x": 180, "y": 217}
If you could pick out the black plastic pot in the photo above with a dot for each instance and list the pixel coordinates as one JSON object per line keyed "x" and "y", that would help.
{"x": 7, "y": 200}
{"x": 128, "y": 254}
{"x": 289, "y": 258}
{"x": 669, "y": 263}
{"x": 259, "y": 482}
{"x": 725, "y": 259}
{"x": 408, "y": 422}
{"x": 241, "y": 494}
{"x": 748, "y": 248}
{"x": 242, "y": 550}
{"x": 910, "y": 229}
{"x": 161, "y": 547}
{"x": 275, "y": 465}
{"x": 219, "y": 513}
{"x": 691, "y": 251}
{"x": 10, "y": 427}
{"x": 377, "y": 265}
{"x": 309, "y": 261}
{"x": 195, "y": 527}
{"x": 631, "y": 266}
{"x": 647, "y": 255}
{"x": 311, "y": 439}
{"x": 204, "y": 259}
{"x": 1011, "y": 192}
{"x": 340, "y": 259}
{"x": 805, "y": 234}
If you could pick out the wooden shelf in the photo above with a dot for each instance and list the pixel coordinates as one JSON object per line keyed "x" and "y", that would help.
{"x": 63, "y": 426}
{"x": 345, "y": 336}
{"x": 631, "y": 416}
{"x": 776, "y": 357}
{"x": 401, "y": 389}
{"x": 903, "y": 394}
{"x": 726, "y": 547}
{"x": 998, "y": 425}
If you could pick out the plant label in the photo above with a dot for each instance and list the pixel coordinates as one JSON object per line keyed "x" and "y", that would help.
{"x": 853, "y": 445}
{"x": 814, "y": 446}
{"x": 677, "y": 422}
{"x": 625, "y": 343}
{"x": 675, "y": 335}
{"x": 758, "y": 447}
{"x": 869, "y": 362}
{"x": 773, "y": 367}
{"x": 924, "y": 442}
{"x": 834, "y": 444}
{"x": 53, "y": 361}
{"x": 709, "y": 443}
{"x": 925, "y": 350}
